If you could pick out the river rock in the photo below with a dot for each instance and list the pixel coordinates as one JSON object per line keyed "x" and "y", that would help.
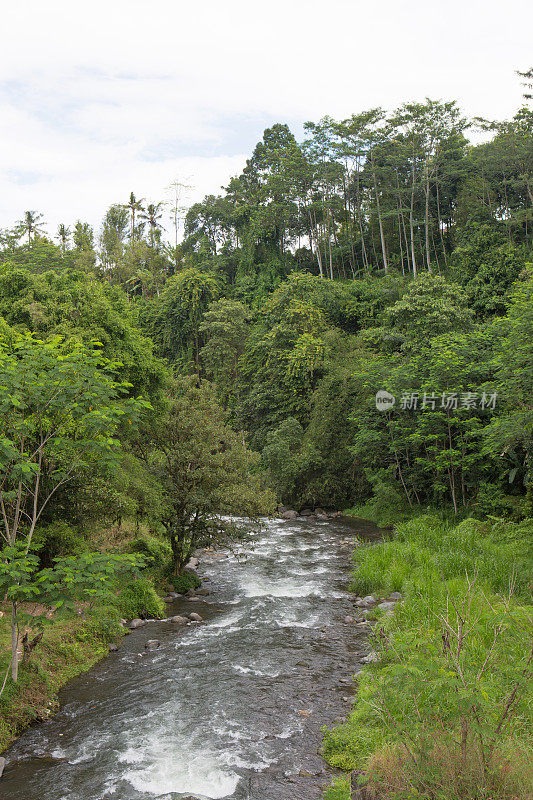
{"x": 306, "y": 512}
{"x": 179, "y": 619}
{"x": 348, "y": 619}
{"x": 152, "y": 644}
{"x": 202, "y": 592}
{"x": 113, "y": 648}
{"x": 136, "y": 623}
{"x": 395, "y": 596}
{"x": 387, "y": 606}
{"x": 168, "y": 599}
{"x": 175, "y": 595}
{"x": 2, "y": 765}
{"x": 195, "y": 617}
{"x": 371, "y": 658}
{"x": 190, "y": 593}
{"x": 289, "y": 514}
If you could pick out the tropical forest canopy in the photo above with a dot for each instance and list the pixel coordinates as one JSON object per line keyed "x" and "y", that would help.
{"x": 385, "y": 252}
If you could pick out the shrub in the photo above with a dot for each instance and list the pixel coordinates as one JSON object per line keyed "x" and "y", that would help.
{"x": 56, "y": 540}
{"x": 139, "y": 599}
{"x": 182, "y": 583}
{"x": 103, "y": 623}
{"x": 157, "y": 552}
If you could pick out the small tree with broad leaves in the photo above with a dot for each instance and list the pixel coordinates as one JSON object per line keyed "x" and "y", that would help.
{"x": 60, "y": 410}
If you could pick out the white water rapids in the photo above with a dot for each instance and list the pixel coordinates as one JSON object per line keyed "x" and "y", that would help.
{"x": 232, "y": 708}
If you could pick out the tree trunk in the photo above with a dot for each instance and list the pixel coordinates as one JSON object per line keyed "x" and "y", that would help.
{"x": 14, "y": 643}
{"x": 411, "y": 218}
{"x": 381, "y": 234}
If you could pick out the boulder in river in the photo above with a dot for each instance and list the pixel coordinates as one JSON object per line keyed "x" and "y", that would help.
{"x": 136, "y": 623}
{"x": 2, "y": 765}
{"x": 113, "y": 648}
{"x": 179, "y": 619}
{"x": 190, "y": 593}
{"x": 387, "y": 606}
{"x": 168, "y": 599}
{"x": 289, "y": 514}
{"x": 306, "y": 512}
{"x": 202, "y": 592}
{"x": 195, "y": 617}
{"x": 152, "y": 644}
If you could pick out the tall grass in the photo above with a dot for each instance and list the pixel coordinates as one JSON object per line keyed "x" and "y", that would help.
{"x": 447, "y": 712}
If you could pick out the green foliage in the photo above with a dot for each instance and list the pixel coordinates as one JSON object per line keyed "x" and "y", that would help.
{"x": 155, "y": 552}
{"x": 450, "y": 697}
{"x": 187, "y": 580}
{"x": 178, "y": 315}
{"x": 138, "y": 598}
{"x": 58, "y": 539}
{"x": 205, "y": 469}
{"x": 425, "y": 548}
{"x": 340, "y": 790}
{"x": 78, "y": 306}
{"x": 430, "y": 307}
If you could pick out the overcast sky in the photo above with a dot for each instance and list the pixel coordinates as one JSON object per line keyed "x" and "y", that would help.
{"x": 98, "y": 99}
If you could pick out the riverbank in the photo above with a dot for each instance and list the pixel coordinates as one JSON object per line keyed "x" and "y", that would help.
{"x": 444, "y": 709}
{"x": 71, "y": 645}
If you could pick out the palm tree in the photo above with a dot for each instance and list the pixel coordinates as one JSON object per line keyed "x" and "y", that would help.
{"x": 134, "y": 205}
{"x": 31, "y": 225}
{"x": 152, "y": 216}
{"x": 63, "y": 234}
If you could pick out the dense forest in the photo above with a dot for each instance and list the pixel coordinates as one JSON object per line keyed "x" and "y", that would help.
{"x": 153, "y": 383}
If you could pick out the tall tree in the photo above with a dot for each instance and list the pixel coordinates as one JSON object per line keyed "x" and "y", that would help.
{"x": 31, "y": 225}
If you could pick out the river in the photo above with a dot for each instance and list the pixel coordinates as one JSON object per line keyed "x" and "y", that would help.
{"x": 231, "y": 708}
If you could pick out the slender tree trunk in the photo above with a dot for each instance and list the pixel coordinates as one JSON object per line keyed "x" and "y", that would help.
{"x": 378, "y": 207}
{"x": 14, "y": 643}
{"x": 411, "y": 218}
{"x": 426, "y": 218}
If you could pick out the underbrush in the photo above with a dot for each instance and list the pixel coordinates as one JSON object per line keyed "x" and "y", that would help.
{"x": 187, "y": 580}
{"x": 138, "y": 598}
{"x": 446, "y": 713}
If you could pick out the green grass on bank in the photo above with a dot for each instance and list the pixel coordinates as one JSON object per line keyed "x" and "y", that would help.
{"x": 447, "y": 713}
{"x": 71, "y": 644}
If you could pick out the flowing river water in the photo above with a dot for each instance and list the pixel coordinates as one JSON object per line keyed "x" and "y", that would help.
{"x": 231, "y": 708}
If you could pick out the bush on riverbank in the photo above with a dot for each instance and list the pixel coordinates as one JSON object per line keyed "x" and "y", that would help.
{"x": 139, "y": 599}
{"x": 446, "y": 713}
{"x": 187, "y": 580}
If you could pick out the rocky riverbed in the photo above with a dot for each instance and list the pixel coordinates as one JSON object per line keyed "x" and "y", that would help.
{"x": 227, "y": 697}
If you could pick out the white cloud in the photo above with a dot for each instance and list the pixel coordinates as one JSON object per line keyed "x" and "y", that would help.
{"x": 98, "y": 100}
